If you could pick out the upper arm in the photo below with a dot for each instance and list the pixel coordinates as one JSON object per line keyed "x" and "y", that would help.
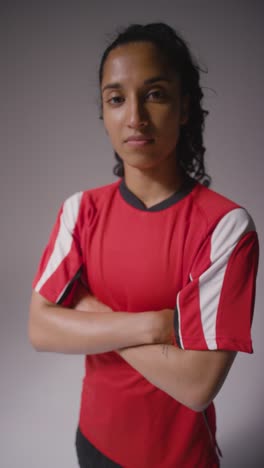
{"x": 61, "y": 261}
{"x": 215, "y": 309}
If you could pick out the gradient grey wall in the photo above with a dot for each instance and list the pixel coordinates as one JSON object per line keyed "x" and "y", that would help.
{"x": 53, "y": 143}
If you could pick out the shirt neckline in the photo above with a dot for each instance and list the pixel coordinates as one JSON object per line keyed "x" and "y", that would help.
{"x": 134, "y": 201}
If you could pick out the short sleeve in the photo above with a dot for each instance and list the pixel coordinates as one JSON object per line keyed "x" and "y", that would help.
{"x": 215, "y": 309}
{"x": 61, "y": 262}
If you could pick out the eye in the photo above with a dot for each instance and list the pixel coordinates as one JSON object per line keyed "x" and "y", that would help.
{"x": 157, "y": 95}
{"x": 115, "y": 100}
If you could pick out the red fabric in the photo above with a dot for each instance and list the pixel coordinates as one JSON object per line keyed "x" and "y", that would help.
{"x": 135, "y": 261}
{"x": 238, "y": 294}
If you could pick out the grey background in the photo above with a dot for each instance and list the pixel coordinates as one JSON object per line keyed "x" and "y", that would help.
{"x": 53, "y": 144}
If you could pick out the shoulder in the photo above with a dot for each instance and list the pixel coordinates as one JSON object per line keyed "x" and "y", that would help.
{"x": 216, "y": 210}
{"x": 94, "y": 194}
{"x": 81, "y": 206}
{"x": 103, "y": 190}
{"x": 222, "y": 230}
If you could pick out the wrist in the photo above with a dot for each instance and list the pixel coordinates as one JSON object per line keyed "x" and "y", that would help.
{"x": 162, "y": 326}
{"x": 152, "y": 332}
{"x": 152, "y": 327}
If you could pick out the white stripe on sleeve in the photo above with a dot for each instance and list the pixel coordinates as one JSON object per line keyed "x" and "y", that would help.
{"x": 64, "y": 239}
{"x": 179, "y": 321}
{"x": 225, "y": 237}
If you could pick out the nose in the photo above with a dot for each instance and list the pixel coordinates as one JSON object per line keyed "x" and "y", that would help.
{"x": 137, "y": 114}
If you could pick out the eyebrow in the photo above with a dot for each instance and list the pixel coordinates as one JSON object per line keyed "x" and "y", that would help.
{"x": 153, "y": 80}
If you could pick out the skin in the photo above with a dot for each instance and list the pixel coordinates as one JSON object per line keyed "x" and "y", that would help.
{"x": 192, "y": 377}
{"x": 54, "y": 328}
{"x": 136, "y": 103}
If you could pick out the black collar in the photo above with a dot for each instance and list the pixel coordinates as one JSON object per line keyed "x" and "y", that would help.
{"x": 131, "y": 198}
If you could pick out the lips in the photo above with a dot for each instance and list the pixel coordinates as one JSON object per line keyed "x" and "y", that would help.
{"x": 139, "y": 140}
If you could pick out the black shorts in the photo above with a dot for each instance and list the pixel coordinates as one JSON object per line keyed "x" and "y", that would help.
{"x": 89, "y": 456}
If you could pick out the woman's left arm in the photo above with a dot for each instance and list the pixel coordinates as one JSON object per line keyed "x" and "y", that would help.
{"x": 212, "y": 319}
{"x": 191, "y": 377}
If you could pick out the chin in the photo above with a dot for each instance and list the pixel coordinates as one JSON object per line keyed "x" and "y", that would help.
{"x": 141, "y": 166}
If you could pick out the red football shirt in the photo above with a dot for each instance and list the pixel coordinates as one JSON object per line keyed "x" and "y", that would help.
{"x": 196, "y": 252}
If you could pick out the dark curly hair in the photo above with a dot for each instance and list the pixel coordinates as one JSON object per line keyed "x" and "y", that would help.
{"x": 190, "y": 148}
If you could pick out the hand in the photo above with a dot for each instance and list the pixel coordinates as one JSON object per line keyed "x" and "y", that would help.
{"x": 85, "y": 301}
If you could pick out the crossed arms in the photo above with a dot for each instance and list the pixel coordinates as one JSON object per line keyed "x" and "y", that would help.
{"x": 142, "y": 339}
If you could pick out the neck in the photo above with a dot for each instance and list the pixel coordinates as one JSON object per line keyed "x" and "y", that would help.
{"x": 154, "y": 185}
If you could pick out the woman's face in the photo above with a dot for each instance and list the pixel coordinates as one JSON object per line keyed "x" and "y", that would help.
{"x": 142, "y": 106}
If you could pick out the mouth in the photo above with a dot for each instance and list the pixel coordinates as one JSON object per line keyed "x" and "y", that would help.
{"x": 137, "y": 141}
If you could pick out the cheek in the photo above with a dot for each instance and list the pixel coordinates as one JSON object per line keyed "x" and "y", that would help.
{"x": 168, "y": 116}
{"x": 112, "y": 121}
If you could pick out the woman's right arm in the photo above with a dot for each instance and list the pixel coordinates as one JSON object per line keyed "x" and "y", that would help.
{"x": 58, "y": 329}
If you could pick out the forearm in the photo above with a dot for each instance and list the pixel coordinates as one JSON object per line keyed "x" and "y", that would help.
{"x": 58, "y": 329}
{"x": 191, "y": 377}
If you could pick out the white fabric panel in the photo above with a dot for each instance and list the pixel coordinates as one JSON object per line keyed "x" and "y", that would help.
{"x": 179, "y": 321}
{"x": 63, "y": 242}
{"x": 232, "y": 227}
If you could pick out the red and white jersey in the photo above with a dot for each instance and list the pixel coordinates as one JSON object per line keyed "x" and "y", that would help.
{"x": 196, "y": 252}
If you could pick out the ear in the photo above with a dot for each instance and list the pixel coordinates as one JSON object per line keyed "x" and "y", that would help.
{"x": 185, "y": 105}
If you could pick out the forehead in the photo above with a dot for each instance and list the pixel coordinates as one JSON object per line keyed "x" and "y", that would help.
{"x": 135, "y": 61}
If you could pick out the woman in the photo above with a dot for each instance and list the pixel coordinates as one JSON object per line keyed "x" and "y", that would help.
{"x": 168, "y": 266}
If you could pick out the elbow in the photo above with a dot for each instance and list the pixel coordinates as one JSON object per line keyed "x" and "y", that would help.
{"x": 35, "y": 337}
{"x": 199, "y": 406}
{"x": 33, "y": 340}
{"x": 207, "y": 380}
{"x": 37, "y": 326}
{"x": 36, "y": 344}
{"x": 206, "y": 390}
{"x": 199, "y": 399}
